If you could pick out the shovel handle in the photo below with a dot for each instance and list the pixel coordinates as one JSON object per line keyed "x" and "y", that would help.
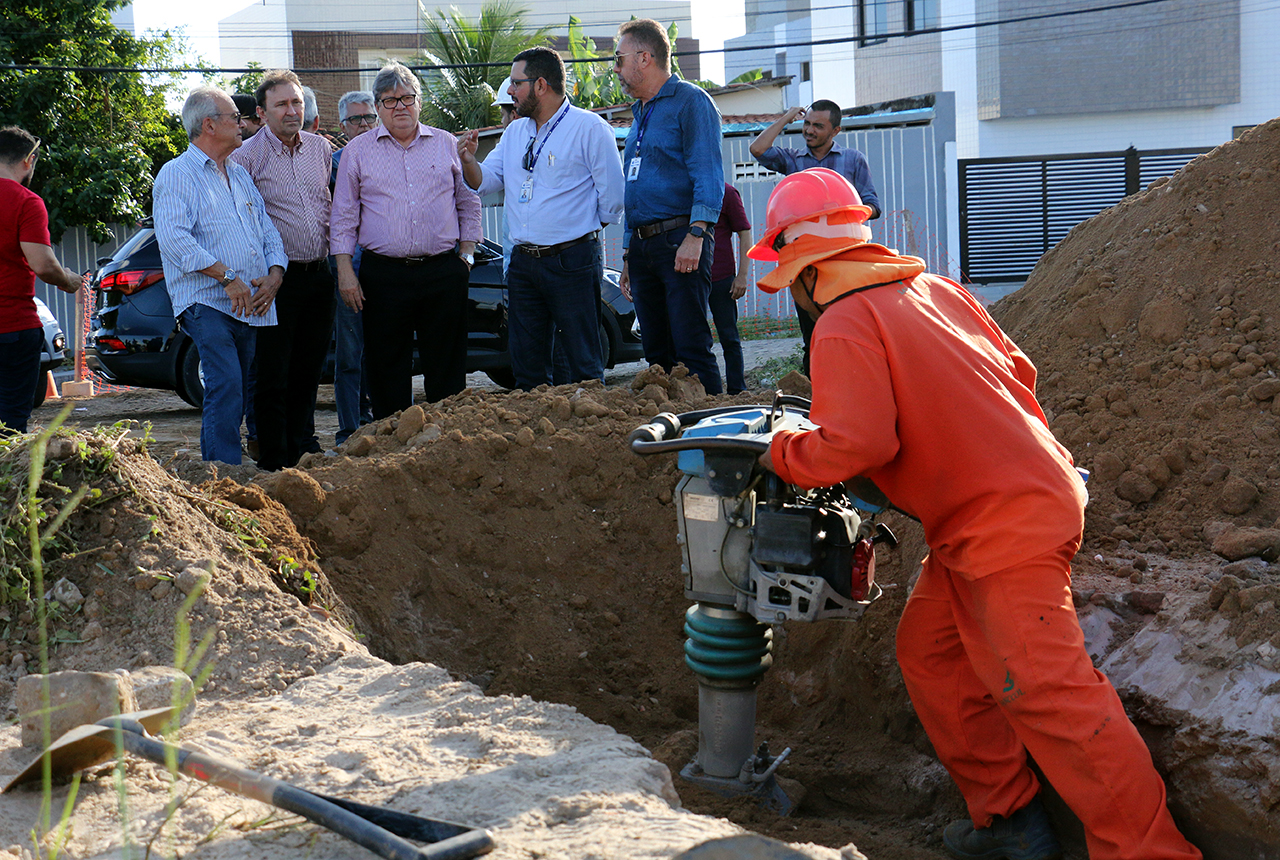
{"x": 257, "y": 786}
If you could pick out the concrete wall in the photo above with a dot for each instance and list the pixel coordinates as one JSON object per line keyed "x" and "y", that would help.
{"x": 1175, "y": 54}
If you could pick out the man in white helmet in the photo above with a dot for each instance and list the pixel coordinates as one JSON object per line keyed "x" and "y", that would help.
{"x": 917, "y": 389}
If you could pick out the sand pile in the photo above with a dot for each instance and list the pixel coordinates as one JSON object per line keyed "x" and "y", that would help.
{"x": 1156, "y": 330}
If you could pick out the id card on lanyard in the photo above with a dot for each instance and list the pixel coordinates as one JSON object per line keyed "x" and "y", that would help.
{"x": 526, "y": 188}
{"x": 633, "y": 169}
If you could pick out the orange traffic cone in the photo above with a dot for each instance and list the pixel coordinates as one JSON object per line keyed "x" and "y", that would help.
{"x": 50, "y": 387}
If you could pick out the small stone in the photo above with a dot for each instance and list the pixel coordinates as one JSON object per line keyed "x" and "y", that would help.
{"x": 1238, "y": 496}
{"x": 66, "y": 593}
{"x": 191, "y": 578}
{"x": 91, "y": 631}
{"x": 164, "y": 687}
{"x": 412, "y": 420}
{"x": 360, "y": 446}
{"x": 161, "y": 589}
{"x": 75, "y": 699}
{"x": 524, "y": 437}
{"x": 60, "y": 448}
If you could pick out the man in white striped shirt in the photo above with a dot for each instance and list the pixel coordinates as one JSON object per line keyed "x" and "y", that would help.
{"x": 223, "y": 261}
{"x": 291, "y": 170}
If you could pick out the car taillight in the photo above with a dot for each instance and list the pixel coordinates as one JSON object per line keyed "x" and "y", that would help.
{"x": 111, "y": 343}
{"x": 130, "y": 281}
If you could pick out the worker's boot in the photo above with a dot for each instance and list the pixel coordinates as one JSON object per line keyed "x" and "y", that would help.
{"x": 1025, "y": 835}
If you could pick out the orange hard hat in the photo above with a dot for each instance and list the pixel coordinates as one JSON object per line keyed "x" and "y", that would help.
{"x": 808, "y": 196}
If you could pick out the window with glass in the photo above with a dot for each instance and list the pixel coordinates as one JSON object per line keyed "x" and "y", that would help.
{"x": 873, "y": 21}
{"x": 921, "y": 15}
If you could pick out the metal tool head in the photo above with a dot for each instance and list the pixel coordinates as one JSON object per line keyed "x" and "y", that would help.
{"x": 86, "y": 746}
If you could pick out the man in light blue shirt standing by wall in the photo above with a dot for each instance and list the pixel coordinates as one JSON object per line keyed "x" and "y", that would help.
{"x": 223, "y": 261}
{"x": 821, "y": 125}
{"x": 674, "y": 189}
{"x": 559, "y": 167}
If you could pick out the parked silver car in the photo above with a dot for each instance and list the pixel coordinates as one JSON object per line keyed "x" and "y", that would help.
{"x": 52, "y": 351}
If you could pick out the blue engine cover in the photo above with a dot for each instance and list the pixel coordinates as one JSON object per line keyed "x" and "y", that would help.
{"x": 750, "y": 421}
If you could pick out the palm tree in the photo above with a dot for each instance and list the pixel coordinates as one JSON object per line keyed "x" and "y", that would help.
{"x": 460, "y": 98}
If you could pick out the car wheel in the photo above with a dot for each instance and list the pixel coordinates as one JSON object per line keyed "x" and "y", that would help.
{"x": 191, "y": 377}
{"x": 504, "y": 377}
{"x": 41, "y": 391}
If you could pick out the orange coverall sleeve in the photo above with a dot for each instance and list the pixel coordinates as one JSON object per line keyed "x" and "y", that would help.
{"x": 856, "y": 428}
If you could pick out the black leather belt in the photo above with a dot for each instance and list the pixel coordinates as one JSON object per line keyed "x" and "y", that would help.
{"x": 540, "y": 251}
{"x": 648, "y": 231}
{"x": 398, "y": 261}
{"x": 321, "y": 265}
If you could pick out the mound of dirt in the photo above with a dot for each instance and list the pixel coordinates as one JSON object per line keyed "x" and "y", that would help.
{"x": 141, "y": 545}
{"x": 1155, "y": 326}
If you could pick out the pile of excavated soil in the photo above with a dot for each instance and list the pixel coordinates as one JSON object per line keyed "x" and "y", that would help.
{"x": 515, "y": 539}
{"x": 1156, "y": 330}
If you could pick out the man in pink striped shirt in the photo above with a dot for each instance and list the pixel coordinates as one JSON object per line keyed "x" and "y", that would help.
{"x": 401, "y": 196}
{"x": 290, "y": 167}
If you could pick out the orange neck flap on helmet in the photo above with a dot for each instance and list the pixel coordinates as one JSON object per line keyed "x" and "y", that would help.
{"x": 844, "y": 264}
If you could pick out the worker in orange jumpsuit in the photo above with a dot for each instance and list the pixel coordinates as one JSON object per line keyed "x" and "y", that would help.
{"x": 916, "y": 388}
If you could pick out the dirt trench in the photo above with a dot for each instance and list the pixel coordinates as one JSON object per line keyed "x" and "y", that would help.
{"x": 515, "y": 540}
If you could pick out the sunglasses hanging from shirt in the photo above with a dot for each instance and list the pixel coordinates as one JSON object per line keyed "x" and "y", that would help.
{"x": 531, "y": 157}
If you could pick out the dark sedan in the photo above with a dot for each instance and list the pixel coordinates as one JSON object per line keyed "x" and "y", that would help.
{"x": 135, "y": 340}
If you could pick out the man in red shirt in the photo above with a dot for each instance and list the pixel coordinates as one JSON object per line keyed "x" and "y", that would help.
{"x": 916, "y": 388}
{"x": 24, "y": 253}
{"x": 729, "y": 283}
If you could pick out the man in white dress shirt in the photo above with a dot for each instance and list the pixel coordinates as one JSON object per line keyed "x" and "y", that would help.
{"x": 562, "y": 176}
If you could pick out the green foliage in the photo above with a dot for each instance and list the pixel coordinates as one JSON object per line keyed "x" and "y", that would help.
{"x": 462, "y": 98}
{"x": 748, "y": 77}
{"x": 767, "y": 374}
{"x": 105, "y": 133}
{"x": 247, "y": 82}
{"x": 591, "y": 84}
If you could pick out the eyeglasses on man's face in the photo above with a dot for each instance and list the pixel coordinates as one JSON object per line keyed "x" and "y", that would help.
{"x": 617, "y": 58}
{"x": 34, "y": 149}
{"x": 390, "y": 102}
{"x": 362, "y": 119}
{"x": 234, "y": 114}
{"x": 515, "y": 82}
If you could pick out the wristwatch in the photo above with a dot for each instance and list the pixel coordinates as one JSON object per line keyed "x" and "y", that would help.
{"x": 227, "y": 277}
{"x": 469, "y": 259}
{"x": 697, "y": 232}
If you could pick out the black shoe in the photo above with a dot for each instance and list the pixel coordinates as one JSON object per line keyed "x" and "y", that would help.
{"x": 251, "y": 449}
{"x": 1025, "y": 835}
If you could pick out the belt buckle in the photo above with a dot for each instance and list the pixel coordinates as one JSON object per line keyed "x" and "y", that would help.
{"x": 414, "y": 261}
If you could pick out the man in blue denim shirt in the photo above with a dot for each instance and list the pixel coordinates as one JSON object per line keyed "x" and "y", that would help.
{"x": 674, "y": 188}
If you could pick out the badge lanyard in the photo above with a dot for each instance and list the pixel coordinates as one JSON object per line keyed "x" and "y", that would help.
{"x": 526, "y": 189}
{"x": 633, "y": 170}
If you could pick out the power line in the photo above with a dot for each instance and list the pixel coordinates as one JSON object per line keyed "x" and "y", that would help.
{"x": 839, "y": 40}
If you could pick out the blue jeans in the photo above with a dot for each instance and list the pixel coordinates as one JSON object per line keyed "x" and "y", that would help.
{"x": 724, "y": 311}
{"x": 672, "y": 306}
{"x": 555, "y": 300}
{"x": 226, "y": 350}
{"x": 19, "y": 376}
{"x": 350, "y": 380}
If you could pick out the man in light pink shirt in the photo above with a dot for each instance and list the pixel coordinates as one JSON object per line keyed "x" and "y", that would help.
{"x": 290, "y": 167}
{"x": 400, "y": 195}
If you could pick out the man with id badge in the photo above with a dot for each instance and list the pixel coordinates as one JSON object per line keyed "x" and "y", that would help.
{"x": 674, "y": 190}
{"x": 558, "y": 165}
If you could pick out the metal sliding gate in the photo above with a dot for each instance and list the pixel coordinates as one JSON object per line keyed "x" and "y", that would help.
{"x": 1013, "y": 210}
